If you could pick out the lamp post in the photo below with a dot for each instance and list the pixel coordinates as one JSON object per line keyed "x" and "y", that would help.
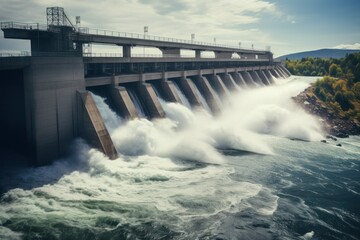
{"x": 192, "y": 37}
{"x": 146, "y": 31}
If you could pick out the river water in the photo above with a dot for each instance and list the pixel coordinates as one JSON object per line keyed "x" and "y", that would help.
{"x": 257, "y": 171}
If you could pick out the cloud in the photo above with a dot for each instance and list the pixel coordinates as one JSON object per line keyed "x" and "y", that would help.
{"x": 348, "y": 46}
{"x": 167, "y": 7}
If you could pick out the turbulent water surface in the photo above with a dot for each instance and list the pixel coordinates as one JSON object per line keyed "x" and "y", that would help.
{"x": 257, "y": 171}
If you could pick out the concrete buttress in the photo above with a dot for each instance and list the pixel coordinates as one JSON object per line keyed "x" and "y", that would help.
{"x": 122, "y": 102}
{"x": 150, "y": 100}
{"x": 210, "y": 96}
{"x": 229, "y": 81}
{"x": 189, "y": 89}
{"x": 92, "y": 127}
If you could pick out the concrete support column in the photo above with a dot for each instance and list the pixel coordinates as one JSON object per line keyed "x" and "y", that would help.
{"x": 127, "y": 51}
{"x": 285, "y": 70}
{"x": 210, "y": 96}
{"x": 189, "y": 89}
{"x": 223, "y": 54}
{"x": 50, "y": 85}
{"x": 238, "y": 79}
{"x": 122, "y": 102}
{"x": 229, "y": 82}
{"x": 218, "y": 85}
{"x": 269, "y": 76}
{"x": 92, "y": 127}
{"x": 171, "y": 52}
{"x": 281, "y": 69}
{"x": 256, "y": 77}
{"x": 279, "y": 72}
{"x": 197, "y": 54}
{"x": 149, "y": 100}
{"x": 263, "y": 78}
{"x": 274, "y": 73}
{"x": 169, "y": 92}
{"x": 248, "y": 79}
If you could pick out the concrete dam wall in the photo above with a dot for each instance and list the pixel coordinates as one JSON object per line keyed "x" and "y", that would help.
{"x": 49, "y": 104}
{"x": 47, "y": 100}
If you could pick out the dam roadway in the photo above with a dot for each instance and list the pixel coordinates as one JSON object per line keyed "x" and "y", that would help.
{"x": 46, "y": 94}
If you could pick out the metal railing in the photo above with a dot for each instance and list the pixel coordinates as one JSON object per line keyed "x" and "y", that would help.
{"x": 119, "y": 55}
{"x": 27, "y": 26}
{"x": 107, "y": 55}
{"x": 155, "y": 38}
{"x": 85, "y": 30}
{"x": 15, "y": 54}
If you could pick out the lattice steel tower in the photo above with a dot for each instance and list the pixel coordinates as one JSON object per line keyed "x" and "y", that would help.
{"x": 56, "y": 17}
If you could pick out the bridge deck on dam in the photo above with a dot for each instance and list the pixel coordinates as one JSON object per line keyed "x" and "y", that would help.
{"x": 85, "y": 35}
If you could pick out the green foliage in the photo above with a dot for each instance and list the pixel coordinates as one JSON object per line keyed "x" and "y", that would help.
{"x": 343, "y": 100}
{"x": 339, "y": 89}
{"x": 335, "y": 70}
{"x": 348, "y": 67}
{"x": 356, "y": 90}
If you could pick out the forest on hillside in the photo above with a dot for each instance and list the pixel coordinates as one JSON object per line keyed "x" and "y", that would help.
{"x": 339, "y": 88}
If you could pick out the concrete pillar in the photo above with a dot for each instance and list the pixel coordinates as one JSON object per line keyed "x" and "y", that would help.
{"x": 256, "y": 78}
{"x": 210, "y": 96}
{"x": 92, "y": 127}
{"x": 127, "y": 51}
{"x": 189, "y": 89}
{"x": 171, "y": 52}
{"x": 279, "y": 72}
{"x": 223, "y": 54}
{"x": 270, "y": 77}
{"x": 197, "y": 54}
{"x": 281, "y": 69}
{"x": 274, "y": 73}
{"x": 149, "y": 100}
{"x": 248, "y": 79}
{"x": 50, "y": 85}
{"x": 169, "y": 92}
{"x": 218, "y": 85}
{"x": 269, "y": 80}
{"x": 285, "y": 70}
{"x": 122, "y": 102}
{"x": 238, "y": 79}
{"x": 263, "y": 78}
{"x": 229, "y": 82}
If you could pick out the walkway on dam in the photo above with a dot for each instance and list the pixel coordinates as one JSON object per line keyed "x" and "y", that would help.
{"x": 169, "y": 46}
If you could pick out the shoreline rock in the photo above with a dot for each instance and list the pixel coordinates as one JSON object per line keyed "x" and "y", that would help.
{"x": 332, "y": 123}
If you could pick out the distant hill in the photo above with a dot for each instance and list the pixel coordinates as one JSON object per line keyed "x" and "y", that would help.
{"x": 322, "y": 53}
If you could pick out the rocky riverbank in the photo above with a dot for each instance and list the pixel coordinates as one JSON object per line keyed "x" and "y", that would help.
{"x": 333, "y": 122}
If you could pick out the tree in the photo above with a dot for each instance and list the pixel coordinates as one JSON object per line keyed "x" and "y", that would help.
{"x": 335, "y": 70}
{"x": 343, "y": 101}
{"x": 356, "y": 90}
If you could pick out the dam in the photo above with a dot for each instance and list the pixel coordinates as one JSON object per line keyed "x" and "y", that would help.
{"x": 46, "y": 95}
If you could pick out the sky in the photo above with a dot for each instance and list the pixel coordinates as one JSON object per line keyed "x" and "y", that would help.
{"x": 287, "y": 26}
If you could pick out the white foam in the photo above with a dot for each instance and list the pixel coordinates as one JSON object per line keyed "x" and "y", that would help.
{"x": 6, "y": 233}
{"x": 158, "y": 168}
{"x": 111, "y": 119}
{"x": 308, "y": 235}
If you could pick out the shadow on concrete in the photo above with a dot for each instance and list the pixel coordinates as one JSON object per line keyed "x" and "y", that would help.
{"x": 16, "y": 172}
